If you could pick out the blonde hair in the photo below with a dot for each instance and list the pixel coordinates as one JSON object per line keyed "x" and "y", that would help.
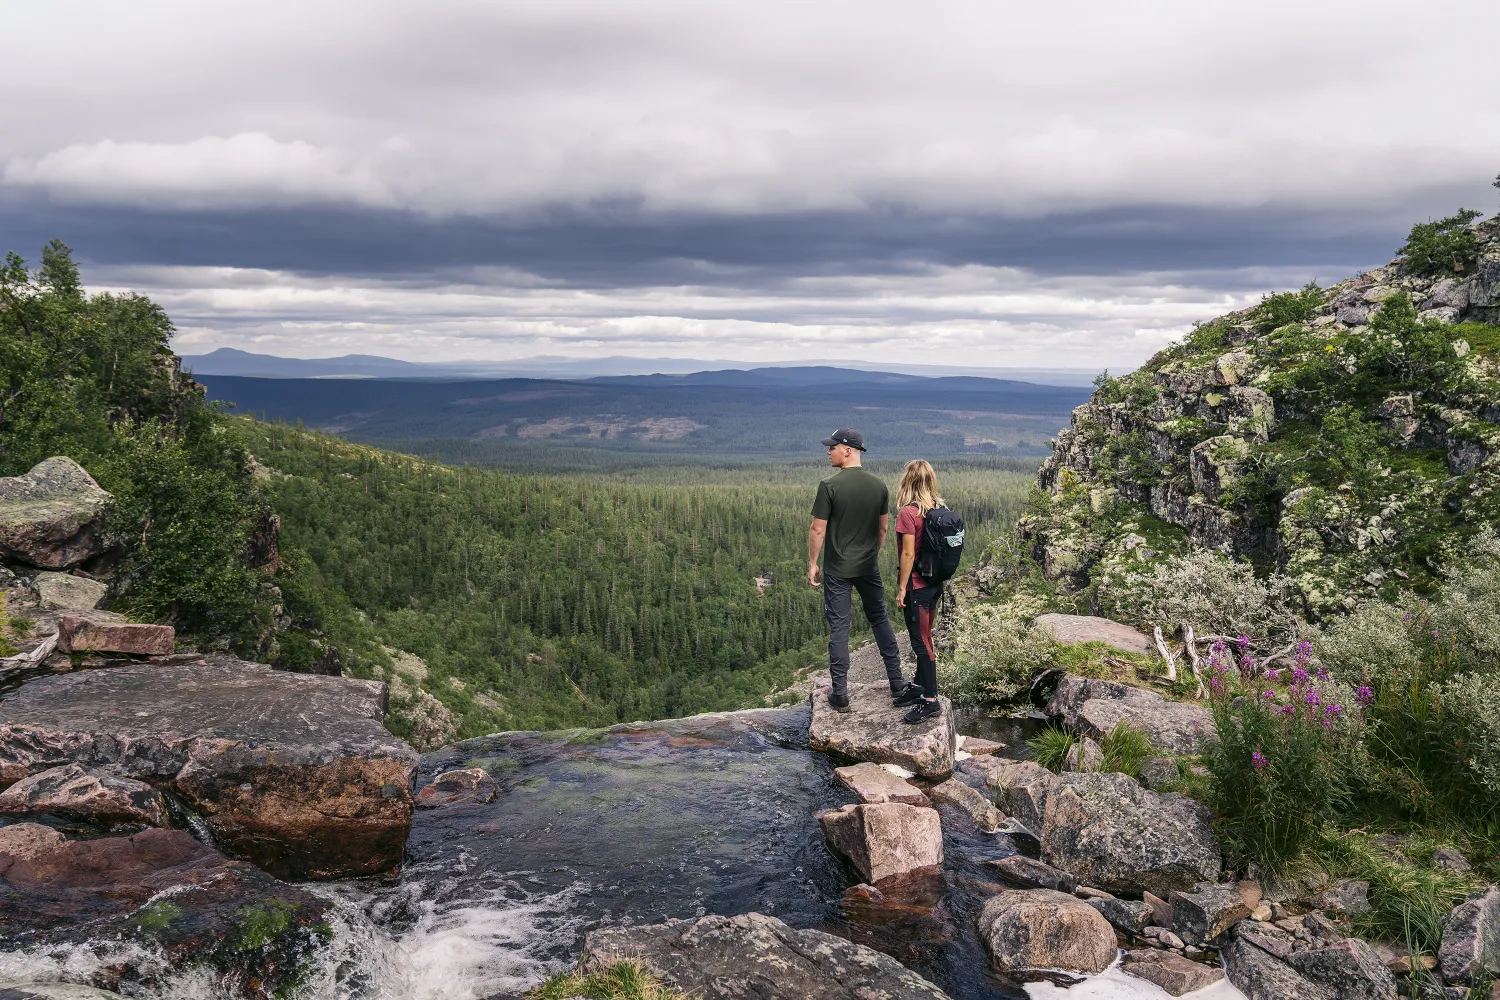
{"x": 919, "y": 485}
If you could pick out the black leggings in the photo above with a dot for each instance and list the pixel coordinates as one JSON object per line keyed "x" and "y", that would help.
{"x": 921, "y": 606}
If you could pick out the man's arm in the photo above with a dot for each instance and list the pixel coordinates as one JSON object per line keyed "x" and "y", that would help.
{"x": 885, "y": 521}
{"x": 814, "y": 547}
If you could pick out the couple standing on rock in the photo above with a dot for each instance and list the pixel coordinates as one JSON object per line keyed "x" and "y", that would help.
{"x": 849, "y": 522}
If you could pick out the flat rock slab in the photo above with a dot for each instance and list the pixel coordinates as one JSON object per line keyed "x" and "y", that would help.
{"x": 1173, "y": 973}
{"x": 1072, "y": 692}
{"x": 874, "y": 784}
{"x": 872, "y": 730}
{"x": 66, "y": 592}
{"x": 50, "y": 517}
{"x": 733, "y": 958}
{"x": 164, "y": 891}
{"x": 94, "y": 797}
{"x": 293, "y": 771}
{"x": 976, "y": 747}
{"x": 76, "y": 634}
{"x": 1075, "y": 629}
{"x": 52, "y": 991}
{"x": 1174, "y": 727}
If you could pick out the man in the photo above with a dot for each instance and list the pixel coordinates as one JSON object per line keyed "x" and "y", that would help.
{"x": 850, "y": 516}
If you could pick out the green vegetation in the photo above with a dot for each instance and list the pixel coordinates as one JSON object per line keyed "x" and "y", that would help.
{"x": 1283, "y": 308}
{"x": 1122, "y": 749}
{"x": 6, "y": 629}
{"x": 1446, "y": 247}
{"x": 623, "y": 979}
{"x": 1409, "y": 896}
{"x": 1051, "y": 746}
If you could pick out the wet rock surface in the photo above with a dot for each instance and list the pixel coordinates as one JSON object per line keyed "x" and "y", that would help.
{"x": 874, "y": 784}
{"x": 872, "y": 729}
{"x": 1028, "y": 873}
{"x": 184, "y": 902}
{"x": 1029, "y": 929}
{"x": 730, "y": 958}
{"x": 885, "y": 840}
{"x": 91, "y": 796}
{"x": 470, "y": 784}
{"x": 51, "y": 516}
{"x": 981, "y": 811}
{"x": 292, "y": 771}
{"x": 1173, "y": 973}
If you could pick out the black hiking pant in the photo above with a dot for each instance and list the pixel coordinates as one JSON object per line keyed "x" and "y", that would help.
{"x": 921, "y": 608}
{"x": 836, "y": 604}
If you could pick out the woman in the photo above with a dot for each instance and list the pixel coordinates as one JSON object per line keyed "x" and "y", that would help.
{"x": 917, "y": 495}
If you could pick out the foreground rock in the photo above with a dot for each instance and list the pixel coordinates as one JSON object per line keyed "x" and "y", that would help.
{"x": 65, "y": 592}
{"x": 293, "y": 771}
{"x": 1094, "y": 707}
{"x": 1471, "y": 939}
{"x": 1171, "y": 972}
{"x": 162, "y": 889}
{"x": 1107, "y": 831}
{"x": 885, "y": 840}
{"x": 1208, "y": 911}
{"x": 1270, "y": 962}
{"x": 874, "y": 784}
{"x": 51, "y": 516}
{"x": 93, "y": 797}
{"x": 873, "y": 731}
{"x": 1026, "y": 873}
{"x": 1028, "y": 929}
{"x": 979, "y": 809}
{"x": 468, "y": 785}
{"x": 77, "y": 635}
{"x": 1074, "y": 629}
{"x": 733, "y": 958}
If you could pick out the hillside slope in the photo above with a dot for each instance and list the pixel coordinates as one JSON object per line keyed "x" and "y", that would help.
{"x": 1347, "y": 437}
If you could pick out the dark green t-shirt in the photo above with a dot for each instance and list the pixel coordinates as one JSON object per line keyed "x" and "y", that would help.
{"x": 851, "y": 500}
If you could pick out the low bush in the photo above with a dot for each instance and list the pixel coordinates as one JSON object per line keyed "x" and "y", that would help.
{"x": 625, "y": 979}
{"x": 1444, "y": 247}
{"x": 1210, "y": 592}
{"x": 1050, "y": 747}
{"x": 1282, "y": 308}
{"x": 993, "y": 654}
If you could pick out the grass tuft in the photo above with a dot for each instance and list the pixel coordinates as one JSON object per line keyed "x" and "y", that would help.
{"x": 620, "y": 979}
{"x": 1050, "y": 747}
{"x": 1125, "y": 748}
{"x": 1409, "y": 901}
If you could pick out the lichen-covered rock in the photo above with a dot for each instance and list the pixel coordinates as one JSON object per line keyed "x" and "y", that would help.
{"x": 1349, "y": 969}
{"x": 66, "y": 592}
{"x": 1471, "y": 939}
{"x": 1074, "y": 629}
{"x": 1128, "y": 916}
{"x": 1208, "y": 911}
{"x": 1023, "y": 787}
{"x": 1084, "y": 755}
{"x": 1073, "y": 692}
{"x": 1107, "y": 831}
{"x": 752, "y": 955}
{"x": 162, "y": 889}
{"x": 1028, "y": 929}
{"x": 88, "y": 795}
{"x": 1173, "y": 973}
{"x": 885, "y": 840}
{"x": 1159, "y": 772}
{"x": 872, "y": 731}
{"x": 293, "y": 771}
{"x": 1175, "y": 727}
{"x": 51, "y": 516}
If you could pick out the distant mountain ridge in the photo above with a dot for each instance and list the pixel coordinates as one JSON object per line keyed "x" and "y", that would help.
{"x": 230, "y": 361}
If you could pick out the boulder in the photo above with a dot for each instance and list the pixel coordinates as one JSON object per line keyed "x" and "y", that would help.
{"x": 1175, "y": 727}
{"x": 979, "y": 809}
{"x": 1471, "y": 939}
{"x": 16, "y": 990}
{"x": 976, "y": 747}
{"x": 1349, "y": 970}
{"x": 874, "y": 784}
{"x": 1348, "y": 896}
{"x": 293, "y": 771}
{"x": 752, "y": 955}
{"x": 1159, "y": 772}
{"x": 1029, "y": 929}
{"x": 1126, "y": 915}
{"x": 1084, "y": 755}
{"x": 873, "y": 731}
{"x": 66, "y": 592}
{"x": 1072, "y": 693}
{"x": 470, "y": 784}
{"x": 1171, "y": 972}
{"x": 885, "y": 840}
{"x": 1106, "y": 830}
{"x": 1074, "y": 629}
{"x": 1208, "y": 911}
{"x": 88, "y": 795}
{"x": 1019, "y": 870}
{"x": 1450, "y": 859}
{"x": 51, "y": 516}
{"x": 1023, "y": 787}
{"x": 76, "y": 634}
{"x": 1259, "y": 975}
{"x": 176, "y": 898}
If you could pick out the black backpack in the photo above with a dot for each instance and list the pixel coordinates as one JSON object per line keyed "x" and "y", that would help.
{"x": 942, "y": 545}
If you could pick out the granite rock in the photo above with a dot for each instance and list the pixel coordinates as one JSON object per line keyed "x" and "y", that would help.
{"x": 1028, "y": 929}
{"x": 982, "y": 811}
{"x": 874, "y": 784}
{"x": 77, "y": 634}
{"x": 1471, "y": 939}
{"x": 1027, "y": 873}
{"x": 66, "y": 592}
{"x": 885, "y": 840}
{"x": 1171, "y": 972}
{"x": 88, "y": 795}
{"x": 51, "y": 516}
{"x": 1075, "y": 629}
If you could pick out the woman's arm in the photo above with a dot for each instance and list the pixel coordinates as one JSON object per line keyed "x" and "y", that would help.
{"x": 907, "y": 545}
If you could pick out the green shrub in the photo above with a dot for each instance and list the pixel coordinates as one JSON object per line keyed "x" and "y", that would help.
{"x": 1212, "y": 593}
{"x": 624, "y": 979}
{"x": 1471, "y": 705}
{"x": 1050, "y": 747}
{"x": 993, "y": 655}
{"x": 1408, "y": 901}
{"x": 1445, "y": 247}
{"x": 1283, "y": 308}
{"x": 1124, "y": 748}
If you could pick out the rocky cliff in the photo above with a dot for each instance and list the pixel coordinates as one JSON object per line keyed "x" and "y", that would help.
{"x": 1348, "y": 437}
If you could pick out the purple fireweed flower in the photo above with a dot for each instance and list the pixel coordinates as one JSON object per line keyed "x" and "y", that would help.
{"x": 1288, "y": 709}
{"x": 1406, "y": 617}
{"x": 1258, "y": 760}
{"x": 1274, "y": 674}
{"x": 1268, "y": 695}
{"x": 1313, "y": 698}
{"x": 1217, "y": 647}
{"x": 1322, "y": 673}
{"x": 1247, "y": 661}
{"x": 1215, "y": 683}
{"x": 1299, "y": 676}
{"x": 1364, "y": 694}
{"x": 1434, "y": 633}
{"x": 1327, "y": 723}
{"x": 1334, "y": 710}
{"x": 1243, "y": 642}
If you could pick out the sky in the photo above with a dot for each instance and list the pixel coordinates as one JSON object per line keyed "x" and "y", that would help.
{"x": 991, "y": 183}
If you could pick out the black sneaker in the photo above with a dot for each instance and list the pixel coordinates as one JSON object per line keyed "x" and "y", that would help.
{"x": 838, "y": 702}
{"x": 909, "y": 695}
{"x": 923, "y": 711}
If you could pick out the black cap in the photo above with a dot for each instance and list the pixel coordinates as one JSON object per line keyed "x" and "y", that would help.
{"x": 845, "y": 435}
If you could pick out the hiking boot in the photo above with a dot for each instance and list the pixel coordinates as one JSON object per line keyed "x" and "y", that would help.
{"x": 909, "y": 695}
{"x": 922, "y": 712}
{"x": 838, "y": 702}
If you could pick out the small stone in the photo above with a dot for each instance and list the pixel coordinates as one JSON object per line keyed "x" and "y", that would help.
{"x": 1208, "y": 911}
{"x": 1402, "y": 965}
{"x": 1163, "y": 937}
{"x": 1160, "y": 908}
{"x": 1089, "y": 892}
{"x": 1449, "y": 859}
{"x": 469, "y": 785}
{"x": 81, "y": 634}
{"x": 1126, "y": 915}
{"x": 980, "y": 748}
{"x": 1084, "y": 755}
{"x": 1159, "y": 772}
{"x": 886, "y": 839}
{"x": 1349, "y": 896}
{"x": 1172, "y": 973}
{"x": 1019, "y": 870}
{"x": 1262, "y": 912}
{"x": 874, "y": 784}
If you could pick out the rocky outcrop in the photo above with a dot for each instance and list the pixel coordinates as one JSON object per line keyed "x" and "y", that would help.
{"x": 51, "y": 517}
{"x": 90, "y": 796}
{"x": 1108, "y": 831}
{"x": 466, "y": 785}
{"x": 78, "y": 634}
{"x": 874, "y": 784}
{"x": 1028, "y": 873}
{"x": 1171, "y": 972}
{"x": 1029, "y": 929}
{"x": 873, "y": 731}
{"x": 162, "y": 889}
{"x": 292, "y": 771}
{"x": 1074, "y": 629}
{"x": 734, "y": 958}
{"x": 885, "y": 840}
{"x": 1471, "y": 939}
